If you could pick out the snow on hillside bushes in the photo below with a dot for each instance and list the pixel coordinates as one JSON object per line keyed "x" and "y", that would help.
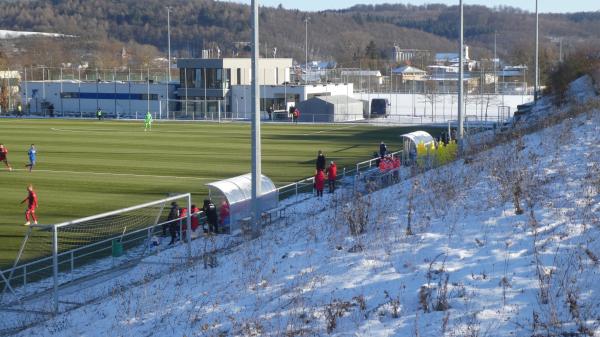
{"x": 582, "y": 62}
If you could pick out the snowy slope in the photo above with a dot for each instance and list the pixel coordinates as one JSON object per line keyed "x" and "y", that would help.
{"x": 472, "y": 267}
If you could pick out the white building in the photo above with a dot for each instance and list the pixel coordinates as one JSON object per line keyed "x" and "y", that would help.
{"x": 281, "y": 97}
{"x": 72, "y": 98}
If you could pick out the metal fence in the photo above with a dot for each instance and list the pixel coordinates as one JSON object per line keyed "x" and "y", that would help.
{"x": 304, "y": 188}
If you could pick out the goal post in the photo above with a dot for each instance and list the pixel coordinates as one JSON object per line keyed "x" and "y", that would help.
{"x": 53, "y": 255}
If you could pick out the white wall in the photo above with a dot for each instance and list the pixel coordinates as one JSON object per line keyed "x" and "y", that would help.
{"x": 38, "y": 91}
{"x": 241, "y": 94}
{"x": 417, "y": 108}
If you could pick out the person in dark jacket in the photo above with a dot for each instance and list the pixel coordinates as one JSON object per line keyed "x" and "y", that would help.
{"x": 321, "y": 161}
{"x": 173, "y": 224}
{"x": 173, "y": 214}
{"x": 210, "y": 210}
{"x": 382, "y": 150}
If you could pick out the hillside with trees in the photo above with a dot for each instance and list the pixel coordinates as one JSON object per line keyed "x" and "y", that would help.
{"x": 362, "y": 35}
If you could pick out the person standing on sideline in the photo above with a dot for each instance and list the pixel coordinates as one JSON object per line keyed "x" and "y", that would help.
{"x": 174, "y": 223}
{"x": 173, "y": 214}
{"x": 99, "y": 114}
{"x": 382, "y": 150}
{"x": 195, "y": 220}
{"x": 210, "y": 210}
{"x": 224, "y": 215}
{"x": 148, "y": 122}
{"x": 32, "y": 204}
{"x": 331, "y": 176}
{"x": 321, "y": 161}
{"x": 319, "y": 182}
{"x": 183, "y": 222}
{"x": 4, "y": 156}
{"x": 19, "y": 110}
{"x": 32, "y": 153}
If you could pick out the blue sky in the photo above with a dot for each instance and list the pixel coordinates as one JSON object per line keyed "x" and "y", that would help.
{"x": 555, "y": 6}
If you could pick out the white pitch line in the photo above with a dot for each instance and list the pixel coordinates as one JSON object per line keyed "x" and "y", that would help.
{"x": 118, "y": 174}
{"x": 327, "y": 130}
{"x": 127, "y": 131}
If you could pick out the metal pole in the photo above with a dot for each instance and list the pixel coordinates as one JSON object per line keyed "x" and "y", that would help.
{"x": 115, "y": 91}
{"x": 55, "y": 265}
{"x": 537, "y": 53}
{"x": 256, "y": 148}
{"x": 186, "y": 92}
{"x": 306, "y": 50}
{"x": 97, "y": 102}
{"x": 79, "y": 92}
{"x": 495, "y": 66}
{"x": 188, "y": 224}
{"x": 43, "y": 83}
{"x": 62, "y": 111}
{"x": 169, "y": 58}
{"x": 9, "y": 91}
{"x": 26, "y": 93}
{"x": 148, "y": 89}
{"x": 461, "y": 76}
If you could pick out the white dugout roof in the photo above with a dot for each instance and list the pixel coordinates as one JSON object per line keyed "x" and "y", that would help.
{"x": 238, "y": 193}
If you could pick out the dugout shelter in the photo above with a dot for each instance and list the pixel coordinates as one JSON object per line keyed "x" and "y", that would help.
{"x": 237, "y": 191}
{"x": 411, "y": 141}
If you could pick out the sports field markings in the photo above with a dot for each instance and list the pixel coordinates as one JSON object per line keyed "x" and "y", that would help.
{"x": 327, "y": 130}
{"x": 124, "y": 131}
{"x": 119, "y": 174}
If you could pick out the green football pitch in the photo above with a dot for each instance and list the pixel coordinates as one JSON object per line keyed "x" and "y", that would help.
{"x": 90, "y": 167}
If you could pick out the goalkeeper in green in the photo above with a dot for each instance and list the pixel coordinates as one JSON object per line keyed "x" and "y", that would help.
{"x": 148, "y": 122}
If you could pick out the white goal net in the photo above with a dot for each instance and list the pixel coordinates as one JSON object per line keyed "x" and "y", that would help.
{"x": 54, "y": 256}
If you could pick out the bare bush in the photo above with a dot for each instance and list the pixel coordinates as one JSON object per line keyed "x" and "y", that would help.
{"x": 336, "y": 309}
{"x": 356, "y": 213}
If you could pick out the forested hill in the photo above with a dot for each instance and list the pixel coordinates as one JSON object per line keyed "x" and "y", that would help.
{"x": 341, "y": 35}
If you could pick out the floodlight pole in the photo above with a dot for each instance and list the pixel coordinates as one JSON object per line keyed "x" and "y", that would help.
{"x": 169, "y": 57}
{"x": 55, "y": 266}
{"x": 306, "y": 49}
{"x": 461, "y": 72}
{"x": 256, "y": 149}
{"x": 188, "y": 226}
{"x": 537, "y": 53}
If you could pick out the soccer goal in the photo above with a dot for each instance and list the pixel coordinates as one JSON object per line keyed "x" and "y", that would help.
{"x": 51, "y": 256}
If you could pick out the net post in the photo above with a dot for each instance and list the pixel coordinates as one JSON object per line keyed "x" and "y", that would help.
{"x": 188, "y": 221}
{"x": 55, "y": 266}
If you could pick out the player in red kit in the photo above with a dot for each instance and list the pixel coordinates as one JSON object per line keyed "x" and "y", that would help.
{"x": 4, "y": 156}
{"x": 32, "y": 204}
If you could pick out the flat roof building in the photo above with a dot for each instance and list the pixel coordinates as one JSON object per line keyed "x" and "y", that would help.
{"x": 211, "y": 80}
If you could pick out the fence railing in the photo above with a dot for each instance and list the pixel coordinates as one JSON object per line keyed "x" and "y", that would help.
{"x": 305, "y": 187}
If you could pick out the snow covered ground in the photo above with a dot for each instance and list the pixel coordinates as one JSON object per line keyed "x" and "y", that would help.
{"x": 470, "y": 265}
{"x": 14, "y": 34}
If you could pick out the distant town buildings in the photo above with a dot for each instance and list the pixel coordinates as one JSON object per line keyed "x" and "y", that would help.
{"x": 400, "y": 55}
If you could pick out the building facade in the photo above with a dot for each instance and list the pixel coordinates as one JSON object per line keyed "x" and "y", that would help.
{"x": 211, "y": 80}
{"x": 117, "y": 99}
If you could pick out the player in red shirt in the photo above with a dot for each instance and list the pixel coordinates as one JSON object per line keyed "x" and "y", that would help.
{"x": 32, "y": 204}
{"x": 331, "y": 176}
{"x": 4, "y": 156}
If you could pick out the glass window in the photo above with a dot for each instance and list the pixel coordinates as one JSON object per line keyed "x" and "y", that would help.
{"x": 187, "y": 76}
{"x": 198, "y": 80}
